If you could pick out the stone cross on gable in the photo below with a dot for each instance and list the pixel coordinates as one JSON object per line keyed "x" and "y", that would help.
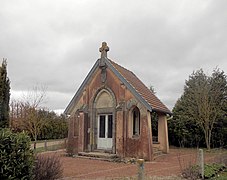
{"x": 104, "y": 49}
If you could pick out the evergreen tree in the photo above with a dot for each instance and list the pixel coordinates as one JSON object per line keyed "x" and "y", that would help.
{"x": 201, "y": 110}
{"x": 4, "y": 95}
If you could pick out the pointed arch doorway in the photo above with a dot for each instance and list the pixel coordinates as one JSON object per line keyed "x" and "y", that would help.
{"x": 104, "y": 120}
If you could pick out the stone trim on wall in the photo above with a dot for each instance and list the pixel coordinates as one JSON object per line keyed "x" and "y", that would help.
{"x": 96, "y": 111}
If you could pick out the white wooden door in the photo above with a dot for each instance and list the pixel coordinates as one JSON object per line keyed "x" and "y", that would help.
{"x": 105, "y": 131}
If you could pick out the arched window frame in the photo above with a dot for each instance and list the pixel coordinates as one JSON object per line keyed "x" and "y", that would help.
{"x": 135, "y": 118}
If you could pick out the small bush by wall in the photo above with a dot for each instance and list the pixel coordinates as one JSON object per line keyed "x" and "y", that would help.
{"x": 47, "y": 166}
{"x": 16, "y": 158}
{"x": 210, "y": 171}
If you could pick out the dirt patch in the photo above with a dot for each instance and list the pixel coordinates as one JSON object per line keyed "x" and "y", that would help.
{"x": 166, "y": 165}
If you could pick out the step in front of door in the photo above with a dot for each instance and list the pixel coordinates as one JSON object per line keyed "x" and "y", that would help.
{"x": 98, "y": 156}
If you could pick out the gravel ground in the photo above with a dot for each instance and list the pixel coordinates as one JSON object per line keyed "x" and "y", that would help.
{"x": 164, "y": 167}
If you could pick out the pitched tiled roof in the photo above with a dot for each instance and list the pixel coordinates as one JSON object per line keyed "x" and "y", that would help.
{"x": 141, "y": 89}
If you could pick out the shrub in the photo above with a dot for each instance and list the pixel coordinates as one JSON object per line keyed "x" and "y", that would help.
{"x": 210, "y": 170}
{"x": 191, "y": 172}
{"x": 47, "y": 167}
{"x": 188, "y": 168}
{"x": 16, "y": 158}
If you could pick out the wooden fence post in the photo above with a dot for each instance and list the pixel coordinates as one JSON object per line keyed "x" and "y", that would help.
{"x": 65, "y": 143}
{"x": 45, "y": 145}
{"x": 34, "y": 145}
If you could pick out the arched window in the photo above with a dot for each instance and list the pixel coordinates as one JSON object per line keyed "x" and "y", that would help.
{"x": 135, "y": 122}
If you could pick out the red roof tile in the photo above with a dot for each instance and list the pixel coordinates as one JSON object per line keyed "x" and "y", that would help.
{"x": 141, "y": 89}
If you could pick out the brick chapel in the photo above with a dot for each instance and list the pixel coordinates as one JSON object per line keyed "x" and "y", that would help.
{"x": 111, "y": 112}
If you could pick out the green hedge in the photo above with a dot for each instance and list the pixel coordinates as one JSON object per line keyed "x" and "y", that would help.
{"x": 16, "y": 158}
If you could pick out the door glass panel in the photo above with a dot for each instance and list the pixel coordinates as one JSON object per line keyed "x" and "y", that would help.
{"x": 110, "y": 126}
{"x": 102, "y": 126}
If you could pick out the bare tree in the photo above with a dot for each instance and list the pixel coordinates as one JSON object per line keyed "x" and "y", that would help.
{"x": 16, "y": 114}
{"x": 36, "y": 97}
{"x": 25, "y": 113}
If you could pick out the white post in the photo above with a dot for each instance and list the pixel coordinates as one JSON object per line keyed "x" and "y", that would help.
{"x": 140, "y": 169}
{"x": 201, "y": 162}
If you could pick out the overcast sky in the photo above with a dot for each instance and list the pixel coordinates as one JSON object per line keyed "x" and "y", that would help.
{"x": 56, "y": 42}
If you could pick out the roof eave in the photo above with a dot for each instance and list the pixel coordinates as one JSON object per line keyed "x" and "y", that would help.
{"x": 163, "y": 111}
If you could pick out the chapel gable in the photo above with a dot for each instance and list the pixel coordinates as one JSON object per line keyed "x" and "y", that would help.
{"x": 111, "y": 112}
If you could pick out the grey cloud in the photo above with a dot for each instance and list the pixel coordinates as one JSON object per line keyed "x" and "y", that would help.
{"x": 162, "y": 42}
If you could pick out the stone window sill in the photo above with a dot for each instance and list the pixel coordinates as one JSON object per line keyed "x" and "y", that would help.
{"x": 135, "y": 136}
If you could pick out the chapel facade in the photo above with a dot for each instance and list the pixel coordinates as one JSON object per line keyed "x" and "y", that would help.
{"x": 111, "y": 112}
